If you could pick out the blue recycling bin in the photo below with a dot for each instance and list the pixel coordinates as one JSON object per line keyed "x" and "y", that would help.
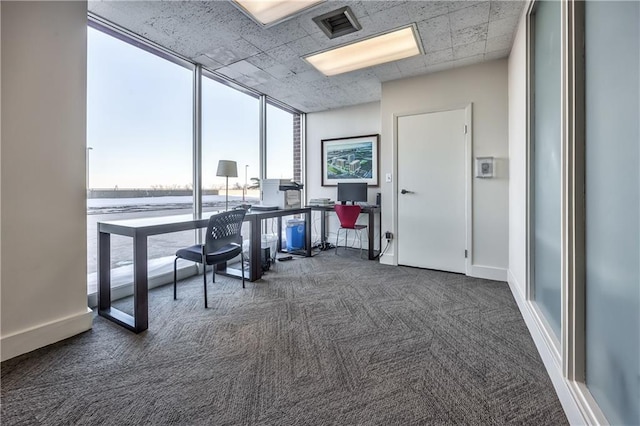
{"x": 295, "y": 234}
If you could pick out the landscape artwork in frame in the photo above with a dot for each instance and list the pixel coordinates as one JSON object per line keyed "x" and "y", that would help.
{"x": 352, "y": 159}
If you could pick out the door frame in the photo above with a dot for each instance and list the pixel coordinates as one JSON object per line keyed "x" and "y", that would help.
{"x": 468, "y": 187}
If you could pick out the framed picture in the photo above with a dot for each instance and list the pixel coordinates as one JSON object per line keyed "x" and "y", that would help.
{"x": 352, "y": 159}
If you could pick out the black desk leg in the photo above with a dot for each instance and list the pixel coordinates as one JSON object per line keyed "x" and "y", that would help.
{"x": 279, "y": 247}
{"x": 255, "y": 269}
{"x": 307, "y": 232}
{"x": 140, "y": 284}
{"x": 104, "y": 272}
{"x": 372, "y": 223}
{"x": 323, "y": 227}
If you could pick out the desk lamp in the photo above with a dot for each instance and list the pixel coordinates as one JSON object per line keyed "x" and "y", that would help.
{"x": 227, "y": 169}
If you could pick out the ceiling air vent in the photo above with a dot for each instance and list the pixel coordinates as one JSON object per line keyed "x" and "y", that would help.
{"x": 338, "y": 22}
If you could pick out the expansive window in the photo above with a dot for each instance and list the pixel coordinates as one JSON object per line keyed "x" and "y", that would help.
{"x": 283, "y": 144}
{"x": 546, "y": 148}
{"x": 139, "y": 146}
{"x": 141, "y": 160}
{"x": 612, "y": 208}
{"x": 230, "y": 131}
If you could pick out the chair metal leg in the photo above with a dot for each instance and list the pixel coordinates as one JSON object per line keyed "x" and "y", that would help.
{"x": 204, "y": 275}
{"x": 242, "y": 266}
{"x": 337, "y": 238}
{"x": 175, "y": 276}
{"x": 360, "y": 232}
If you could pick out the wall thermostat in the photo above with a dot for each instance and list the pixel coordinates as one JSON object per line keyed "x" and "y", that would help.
{"x": 484, "y": 167}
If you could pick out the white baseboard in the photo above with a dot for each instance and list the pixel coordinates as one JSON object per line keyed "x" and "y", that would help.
{"x": 42, "y": 335}
{"x": 488, "y": 273}
{"x": 562, "y": 386}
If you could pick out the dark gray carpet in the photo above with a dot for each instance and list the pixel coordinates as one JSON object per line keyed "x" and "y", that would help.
{"x": 330, "y": 340}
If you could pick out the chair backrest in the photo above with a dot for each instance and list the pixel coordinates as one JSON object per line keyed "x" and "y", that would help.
{"x": 347, "y": 214}
{"x": 224, "y": 228}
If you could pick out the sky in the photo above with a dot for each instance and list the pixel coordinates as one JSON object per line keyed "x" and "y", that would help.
{"x": 139, "y": 123}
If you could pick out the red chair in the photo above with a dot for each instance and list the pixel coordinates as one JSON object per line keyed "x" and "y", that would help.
{"x": 348, "y": 215}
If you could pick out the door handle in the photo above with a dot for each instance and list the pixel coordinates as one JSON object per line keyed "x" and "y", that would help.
{"x": 404, "y": 191}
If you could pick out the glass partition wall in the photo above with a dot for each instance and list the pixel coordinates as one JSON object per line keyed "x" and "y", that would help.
{"x": 583, "y": 289}
{"x": 157, "y": 126}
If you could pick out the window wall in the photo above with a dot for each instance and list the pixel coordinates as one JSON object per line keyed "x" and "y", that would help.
{"x": 139, "y": 145}
{"x": 157, "y": 126}
{"x": 283, "y": 144}
{"x": 230, "y": 131}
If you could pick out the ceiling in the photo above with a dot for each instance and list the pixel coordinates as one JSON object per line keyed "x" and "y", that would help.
{"x": 269, "y": 60}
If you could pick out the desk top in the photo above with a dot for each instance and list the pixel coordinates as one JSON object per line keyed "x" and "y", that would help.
{"x": 365, "y": 209}
{"x": 184, "y": 222}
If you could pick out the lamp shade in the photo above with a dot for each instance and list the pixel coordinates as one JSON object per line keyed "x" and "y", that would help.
{"x": 227, "y": 168}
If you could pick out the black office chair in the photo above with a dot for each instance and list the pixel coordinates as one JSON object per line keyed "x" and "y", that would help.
{"x": 223, "y": 243}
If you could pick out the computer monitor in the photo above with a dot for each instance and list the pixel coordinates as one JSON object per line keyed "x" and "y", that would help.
{"x": 352, "y": 192}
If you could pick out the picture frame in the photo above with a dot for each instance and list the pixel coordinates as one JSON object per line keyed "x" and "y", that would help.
{"x": 351, "y": 159}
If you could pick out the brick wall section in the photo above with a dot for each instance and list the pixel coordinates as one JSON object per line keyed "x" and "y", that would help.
{"x": 297, "y": 149}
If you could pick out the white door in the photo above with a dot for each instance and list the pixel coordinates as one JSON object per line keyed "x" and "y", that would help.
{"x": 431, "y": 190}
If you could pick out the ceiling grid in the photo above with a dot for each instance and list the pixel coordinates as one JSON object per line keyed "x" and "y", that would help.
{"x": 221, "y": 38}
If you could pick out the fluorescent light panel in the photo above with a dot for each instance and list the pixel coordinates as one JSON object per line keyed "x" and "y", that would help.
{"x": 391, "y": 46}
{"x": 269, "y": 12}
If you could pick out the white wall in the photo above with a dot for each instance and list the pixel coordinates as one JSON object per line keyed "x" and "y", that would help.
{"x": 337, "y": 123}
{"x": 518, "y": 160}
{"x": 484, "y": 85}
{"x": 43, "y": 265}
{"x": 356, "y": 120}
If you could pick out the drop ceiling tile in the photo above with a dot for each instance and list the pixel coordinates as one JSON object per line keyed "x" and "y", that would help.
{"x": 462, "y": 4}
{"x": 229, "y": 72}
{"x": 254, "y": 79}
{"x": 207, "y": 62}
{"x": 422, "y": 10}
{"x": 504, "y": 9}
{"x": 243, "y": 67}
{"x": 372, "y": 7}
{"x": 470, "y": 16}
{"x": 311, "y": 75}
{"x": 218, "y": 35}
{"x": 502, "y": 26}
{"x": 288, "y": 31}
{"x": 223, "y": 55}
{"x": 438, "y": 57}
{"x": 391, "y": 18}
{"x": 437, "y": 25}
{"x": 437, "y": 42}
{"x": 283, "y": 54}
{"x": 298, "y": 66}
{"x": 262, "y": 60}
{"x": 259, "y": 37}
{"x": 468, "y": 50}
{"x": 499, "y": 43}
{"x": 304, "y": 46}
{"x": 279, "y": 71}
{"x": 469, "y": 35}
{"x": 498, "y": 54}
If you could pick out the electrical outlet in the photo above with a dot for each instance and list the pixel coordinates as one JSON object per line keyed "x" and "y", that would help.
{"x": 388, "y": 235}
